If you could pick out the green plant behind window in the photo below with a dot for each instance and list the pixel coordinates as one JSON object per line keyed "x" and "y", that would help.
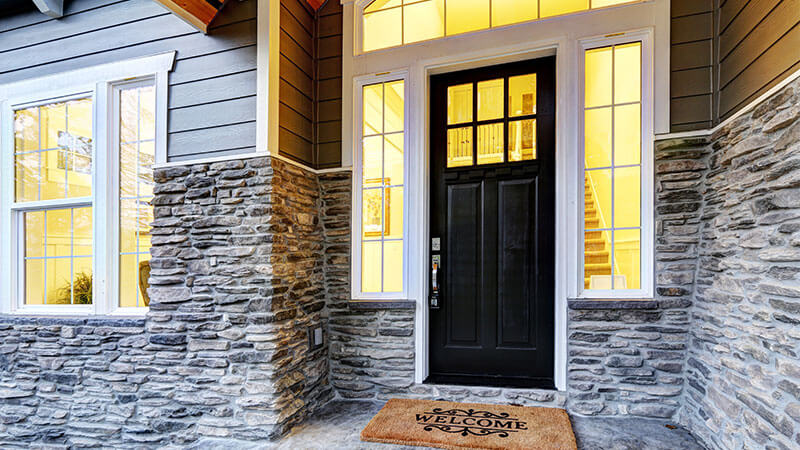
{"x": 82, "y": 291}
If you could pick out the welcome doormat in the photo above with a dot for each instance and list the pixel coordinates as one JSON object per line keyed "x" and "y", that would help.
{"x": 470, "y": 425}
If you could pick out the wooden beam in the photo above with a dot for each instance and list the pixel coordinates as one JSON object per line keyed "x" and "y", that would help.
{"x": 198, "y": 13}
{"x": 52, "y": 8}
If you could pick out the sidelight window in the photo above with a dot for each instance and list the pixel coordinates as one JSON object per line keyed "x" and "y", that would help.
{"x": 381, "y": 191}
{"x": 613, "y": 220}
{"x": 391, "y": 23}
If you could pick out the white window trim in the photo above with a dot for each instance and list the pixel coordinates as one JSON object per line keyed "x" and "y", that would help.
{"x": 355, "y": 257}
{"x": 647, "y": 161}
{"x": 98, "y": 81}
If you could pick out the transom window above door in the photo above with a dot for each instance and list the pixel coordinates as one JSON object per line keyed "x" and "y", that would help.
{"x": 491, "y": 121}
{"x": 391, "y": 23}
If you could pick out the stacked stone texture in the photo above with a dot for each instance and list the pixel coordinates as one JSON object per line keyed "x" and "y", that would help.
{"x": 743, "y": 370}
{"x": 628, "y": 357}
{"x": 237, "y": 274}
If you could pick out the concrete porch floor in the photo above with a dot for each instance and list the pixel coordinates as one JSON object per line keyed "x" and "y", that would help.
{"x": 339, "y": 424}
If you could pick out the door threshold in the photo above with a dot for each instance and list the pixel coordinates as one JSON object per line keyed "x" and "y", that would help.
{"x": 492, "y": 381}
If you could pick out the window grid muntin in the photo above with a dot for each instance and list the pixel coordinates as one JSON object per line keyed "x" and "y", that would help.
{"x": 37, "y": 106}
{"x": 613, "y": 107}
{"x": 505, "y": 120}
{"x": 403, "y": 4}
{"x": 383, "y": 187}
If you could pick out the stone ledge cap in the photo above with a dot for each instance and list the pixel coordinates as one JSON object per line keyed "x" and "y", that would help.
{"x": 360, "y": 305}
{"x": 594, "y": 303}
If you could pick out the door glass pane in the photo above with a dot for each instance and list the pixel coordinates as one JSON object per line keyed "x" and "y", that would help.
{"x": 467, "y": 15}
{"x": 522, "y": 95}
{"x": 558, "y": 7}
{"x": 522, "y": 140}
{"x": 459, "y": 147}
{"x": 627, "y": 73}
{"x": 459, "y": 104}
{"x": 627, "y": 259}
{"x": 490, "y": 99}
{"x": 597, "y": 199}
{"x": 598, "y": 75}
{"x": 513, "y": 11}
{"x": 393, "y": 213}
{"x": 371, "y": 259}
{"x": 394, "y": 107}
{"x": 597, "y": 137}
{"x": 490, "y": 143}
{"x": 373, "y": 109}
{"x": 627, "y": 134}
{"x": 373, "y": 211}
{"x": 373, "y": 158}
{"x": 627, "y": 197}
{"x": 393, "y": 154}
{"x": 383, "y": 29}
{"x": 423, "y": 21}
{"x": 597, "y": 260}
{"x": 393, "y": 266}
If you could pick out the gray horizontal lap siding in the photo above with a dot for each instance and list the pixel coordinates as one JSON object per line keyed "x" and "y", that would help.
{"x": 212, "y": 89}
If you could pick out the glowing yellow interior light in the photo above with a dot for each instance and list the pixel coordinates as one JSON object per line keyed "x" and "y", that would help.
{"x": 513, "y": 11}
{"x": 466, "y": 15}
{"x": 383, "y": 29}
{"x": 558, "y": 7}
{"x": 612, "y": 148}
{"x": 423, "y": 21}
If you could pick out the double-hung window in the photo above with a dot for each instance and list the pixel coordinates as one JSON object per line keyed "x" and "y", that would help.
{"x": 77, "y": 179}
{"x": 617, "y": 197}
{"x": 380, "y": 206}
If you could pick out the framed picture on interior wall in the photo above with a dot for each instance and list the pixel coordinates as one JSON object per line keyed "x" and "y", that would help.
{"x": 375, "y": 223}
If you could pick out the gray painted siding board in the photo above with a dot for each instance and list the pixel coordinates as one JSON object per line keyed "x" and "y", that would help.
{"x": 34, "y": 17}
{"x": 78, "y": 24}
{"x": 152, "y": 29}
{"x": 188, "y": 45}
{"x": 213, "y": 154}
{"x": 212, "y": 87}
{"x": 214, "y": 65}
{"x": 208, "y": 116}
{"x": 213, "y": 139}
{"x": 213, "y": 90}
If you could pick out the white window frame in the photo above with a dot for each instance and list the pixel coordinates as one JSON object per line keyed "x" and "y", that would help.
{"x": 361, "y": 5}
{"x": 100, "y": 82}
{"x": 647, "y": 257}
{"x": 358, "y": 122}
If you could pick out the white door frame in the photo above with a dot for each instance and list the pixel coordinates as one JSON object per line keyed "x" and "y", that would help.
{"x": 558, "y": 35}
{"x": 420, "y": 77}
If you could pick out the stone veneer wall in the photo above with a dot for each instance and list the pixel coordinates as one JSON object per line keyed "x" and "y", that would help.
{"x": 223, "y": 353}
{"x": 743, "y": 369}
{"x": 628, "y": 357}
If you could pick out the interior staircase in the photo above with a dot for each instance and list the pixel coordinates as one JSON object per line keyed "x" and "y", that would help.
{"x": 597, "y": 250}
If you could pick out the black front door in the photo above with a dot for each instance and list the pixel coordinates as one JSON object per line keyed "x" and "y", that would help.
{"x": 493, "y": 213}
